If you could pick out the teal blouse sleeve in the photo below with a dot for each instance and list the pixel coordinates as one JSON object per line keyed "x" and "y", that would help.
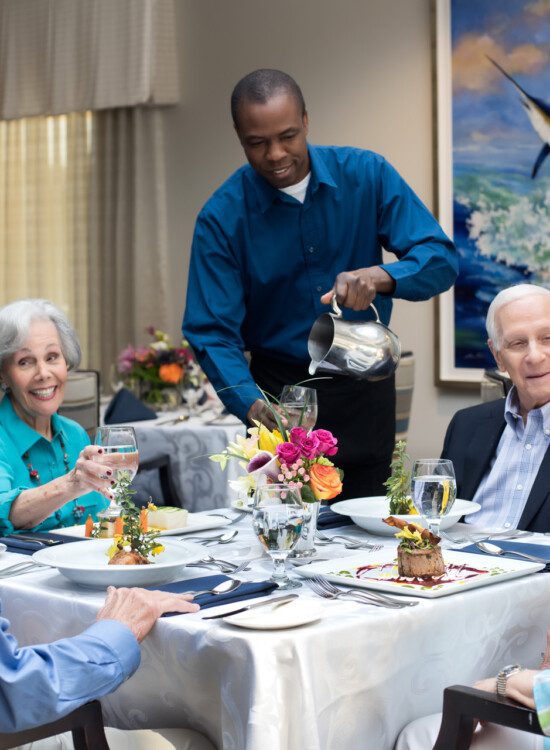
{"x": 42, "y": 462}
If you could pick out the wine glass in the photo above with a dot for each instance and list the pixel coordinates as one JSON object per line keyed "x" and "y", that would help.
{"x": 120, "y": 454}
{"x": 299, "y": 406}
{"x": 277, "y": 519}
{"x": 433, "y": 489}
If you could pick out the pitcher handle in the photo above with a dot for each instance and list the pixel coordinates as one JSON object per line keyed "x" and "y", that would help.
{"x": 338, "y": 312}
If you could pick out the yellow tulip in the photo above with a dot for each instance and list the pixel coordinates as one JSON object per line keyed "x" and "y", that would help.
{"x": 268, "y": 441}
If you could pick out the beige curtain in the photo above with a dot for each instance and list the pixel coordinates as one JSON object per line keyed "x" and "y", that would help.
{"x": 45, "y": 165}
{"x": 83, "y": 223}
{"x": 128, "y": 276}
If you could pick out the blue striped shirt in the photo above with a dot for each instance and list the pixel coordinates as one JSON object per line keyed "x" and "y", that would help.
{"x": 505, "y": 488}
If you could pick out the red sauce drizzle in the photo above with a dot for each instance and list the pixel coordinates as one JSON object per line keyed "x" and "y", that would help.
{"x": 453, "y": 573}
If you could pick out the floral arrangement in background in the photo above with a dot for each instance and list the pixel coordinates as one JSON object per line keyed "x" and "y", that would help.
{"x": 294, "y": 457}
{"x": 151, "y": 369}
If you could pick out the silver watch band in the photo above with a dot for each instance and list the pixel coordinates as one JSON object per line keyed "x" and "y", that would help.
{"x": 502, "y": 678}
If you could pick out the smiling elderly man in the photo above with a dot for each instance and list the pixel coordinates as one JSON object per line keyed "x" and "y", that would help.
{"x": 500, "y": 449}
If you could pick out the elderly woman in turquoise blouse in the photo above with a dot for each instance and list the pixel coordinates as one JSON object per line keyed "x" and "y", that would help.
{"x": 50, "y": 475}
{"x": 531, "y": 687}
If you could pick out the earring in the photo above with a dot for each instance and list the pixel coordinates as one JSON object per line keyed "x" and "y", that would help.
{"x": 4, "y": 387}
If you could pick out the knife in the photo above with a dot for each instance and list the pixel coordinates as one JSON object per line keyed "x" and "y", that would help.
{"x": 44, "y": 541}
{"x": 278, "y": 601}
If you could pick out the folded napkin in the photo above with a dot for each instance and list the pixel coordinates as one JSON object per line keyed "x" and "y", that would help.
{"x": 328, "y": 519}
{"x": 249, "y": 590}
{"x": 26, "y": 547}
{"x": 125, "y": 407}
{"x": 539, "y": 550}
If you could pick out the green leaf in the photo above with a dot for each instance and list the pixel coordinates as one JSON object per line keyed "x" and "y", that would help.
{"x": 307, "y": 494}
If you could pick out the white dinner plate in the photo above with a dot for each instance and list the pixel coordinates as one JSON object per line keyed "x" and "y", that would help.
{"x": 289, "y": 615}
{"x": 244, "y": 505}
{"x": 195, "y": 522}
{"x": 86, "y": 563}
{"x": 464, "y": 571}
{"x": 368, "y": 512}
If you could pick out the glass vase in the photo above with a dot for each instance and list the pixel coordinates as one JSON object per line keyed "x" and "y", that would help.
{"x": 306, "y": 544}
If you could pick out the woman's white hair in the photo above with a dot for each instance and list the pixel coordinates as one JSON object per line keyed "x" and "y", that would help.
{"x": 15, "y": 321}
{"x": 511, "y": 294}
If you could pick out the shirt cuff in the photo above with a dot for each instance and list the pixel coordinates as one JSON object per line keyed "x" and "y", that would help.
{"x": 120, "y": 640}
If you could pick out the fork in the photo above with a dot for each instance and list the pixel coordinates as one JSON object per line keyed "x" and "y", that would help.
{"x": 22, "y": 567}
{"x": 473, "y": 537}
{"x": 353, "y": 542}
{"x": 320, "y": 583}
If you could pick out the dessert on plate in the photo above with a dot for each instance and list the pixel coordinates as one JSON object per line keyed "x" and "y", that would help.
{"x": 419, "y": 554}
{"x": 166, "y": 517}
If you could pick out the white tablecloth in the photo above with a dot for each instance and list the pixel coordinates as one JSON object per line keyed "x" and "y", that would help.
{"x": 201, "y": 484}
{"x": 350, "y": 681}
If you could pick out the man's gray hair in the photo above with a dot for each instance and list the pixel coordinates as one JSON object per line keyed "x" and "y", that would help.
{"x": 511, "y": 294}
{"x": 15, "y": 321}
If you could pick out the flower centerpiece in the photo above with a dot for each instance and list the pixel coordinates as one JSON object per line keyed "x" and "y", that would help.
{"x": 296, "y": 457}
{"x": 159, "y": 372}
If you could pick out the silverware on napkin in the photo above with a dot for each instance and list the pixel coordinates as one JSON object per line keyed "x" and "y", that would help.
{"x": 277, "y": 602}
{"x": 44, "y": 541}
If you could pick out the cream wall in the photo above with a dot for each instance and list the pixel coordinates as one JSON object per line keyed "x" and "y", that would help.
{"x": 365, "y": 69}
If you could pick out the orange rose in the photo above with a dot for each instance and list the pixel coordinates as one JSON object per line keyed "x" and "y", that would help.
{"x": 171, "y": 373}
{"x": 324, "y": 481}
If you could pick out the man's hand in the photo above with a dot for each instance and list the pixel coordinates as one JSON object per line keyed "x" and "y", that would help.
{"x": 261, "y": 412}
{"x": 357, "y": 289}
{"x": 140, "y": 609}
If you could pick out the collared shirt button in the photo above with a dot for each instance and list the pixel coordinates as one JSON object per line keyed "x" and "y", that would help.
{"x": 528, "y": 447}
{"x": 311, "y": 249}
{"x": 547, "y": 432}
{"x": 519, "y": 487}
{"x": 319, "y": 288}
{"x": 507, "y": 525}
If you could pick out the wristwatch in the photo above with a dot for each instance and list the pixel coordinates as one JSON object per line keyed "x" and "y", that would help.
{"x": 503, "y": 675}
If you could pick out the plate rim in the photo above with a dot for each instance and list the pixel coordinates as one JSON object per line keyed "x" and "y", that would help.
{"x": 472, "y": 507}
{"x": 314, "y": 615}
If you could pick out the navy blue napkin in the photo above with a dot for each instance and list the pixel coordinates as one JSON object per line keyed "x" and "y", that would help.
{"x": 248, "y": 590}
{"x": 539, "y": 550}
{"x": 328, "y": 519}
{"x": 125, "y": 407}
{"x": 25, "y": 547}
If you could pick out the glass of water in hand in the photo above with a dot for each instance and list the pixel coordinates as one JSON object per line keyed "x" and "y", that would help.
{"x": 278, "y": 518}
{"x": 299, "y": 406}
{"x": 120, "y": 454}
{"x": 433, "y": 489}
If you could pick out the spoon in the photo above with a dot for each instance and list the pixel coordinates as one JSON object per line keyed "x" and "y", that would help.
{"x": 222, "y": 539}
{"x": 493, "y": 549}
{"x": 222, "y": 588}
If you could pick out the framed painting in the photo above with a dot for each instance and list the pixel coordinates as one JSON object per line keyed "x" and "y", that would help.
{"x": 493, "y": 178}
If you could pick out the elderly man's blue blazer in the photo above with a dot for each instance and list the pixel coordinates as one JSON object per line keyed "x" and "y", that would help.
{"x": 471, "y": 442}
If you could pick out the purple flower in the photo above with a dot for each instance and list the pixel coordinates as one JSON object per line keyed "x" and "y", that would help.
{"x": 264, "y": 462}
{"x": 327, "y": 442}
{"x": 288, "y": 453}
{"x": 297, "y": 434}
{"x": 309, "y": 448}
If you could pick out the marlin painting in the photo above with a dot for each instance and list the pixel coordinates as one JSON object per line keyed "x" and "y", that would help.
{"x": 539, "y": 116}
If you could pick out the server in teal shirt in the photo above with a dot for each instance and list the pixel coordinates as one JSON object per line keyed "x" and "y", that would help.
{"x": 276, "y": 240}
{"x": 50, "y": 476}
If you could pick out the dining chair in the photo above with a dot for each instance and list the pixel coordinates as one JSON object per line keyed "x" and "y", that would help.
{"x": 404, "y": 386}
{"x": 154, "y": 480}
{"x": 461, "y": 705}
{"x": 495, "y": 385}
{"x": 85, "y": 723}
{"x": 81, "y": 399}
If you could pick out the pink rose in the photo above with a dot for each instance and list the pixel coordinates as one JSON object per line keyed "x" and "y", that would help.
{"x": 327, "y": 442}
{"x": 297, "y": 434}
{"x": 309, "y": 447}
{"x": 288, "y": 453}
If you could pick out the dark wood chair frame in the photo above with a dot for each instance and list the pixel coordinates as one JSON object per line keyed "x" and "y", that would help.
{"x": 461, "y": 705}
{"x": 85, "y": 723}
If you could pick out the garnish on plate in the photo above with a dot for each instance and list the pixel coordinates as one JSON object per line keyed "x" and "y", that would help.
{"x": 419, "y": 554}
{"x": 399, "y": 483}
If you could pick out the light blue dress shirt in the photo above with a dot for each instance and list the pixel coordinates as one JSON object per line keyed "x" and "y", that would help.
{"x": 16, "y": 438}
{"x": 39, "y": 684}
{"x": 261, "y": 260}
{"x": 504, "y": 490}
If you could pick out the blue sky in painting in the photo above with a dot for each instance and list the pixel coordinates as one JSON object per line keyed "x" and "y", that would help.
{"x": 490, "y": 124}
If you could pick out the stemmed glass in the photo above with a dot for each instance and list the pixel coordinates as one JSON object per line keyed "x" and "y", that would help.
{"x": 433, "y": 489}
{"x": 277, "y": 519}
{"x": 120, "y": 454}
{"x": 299, "y": 406}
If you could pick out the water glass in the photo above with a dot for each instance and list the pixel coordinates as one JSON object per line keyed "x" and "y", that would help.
{"x": 277, "y": 519}
{"x": 120, "y": 454}
{"x": 299, "y": 406}
{"x": 433, "y": 489}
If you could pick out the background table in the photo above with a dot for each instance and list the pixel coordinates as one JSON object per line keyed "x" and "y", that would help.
{"x": 200, "y": 483}
{"x": 351, "y": 680}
